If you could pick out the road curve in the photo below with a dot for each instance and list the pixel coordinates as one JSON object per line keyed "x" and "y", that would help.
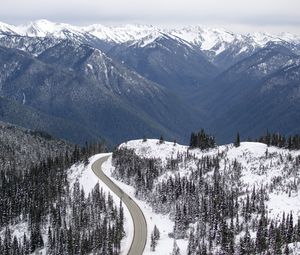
{"x": 139, "y": 222}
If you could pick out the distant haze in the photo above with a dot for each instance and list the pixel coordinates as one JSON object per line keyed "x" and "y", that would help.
{"x": 273, "y": 16}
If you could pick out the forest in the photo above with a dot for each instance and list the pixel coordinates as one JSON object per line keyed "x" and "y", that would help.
{"x": 61, "y": 219}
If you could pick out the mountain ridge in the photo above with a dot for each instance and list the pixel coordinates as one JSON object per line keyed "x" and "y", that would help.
{"x": 206, "y": 38}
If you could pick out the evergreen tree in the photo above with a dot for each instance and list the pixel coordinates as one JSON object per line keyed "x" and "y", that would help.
{"x": 161, "y": 139}
{"x": 153, "y": 242}
{"x": 237, "y": 142}
{"x": 176, "y": 250}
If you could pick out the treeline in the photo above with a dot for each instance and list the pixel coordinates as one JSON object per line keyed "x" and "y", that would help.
{"x": 226, "y": 217}
{"x": 136, "y": 171}
{"x": 77, "y": 223}
{"x": 204, "y": 141}
{"x": 275, "y": 139}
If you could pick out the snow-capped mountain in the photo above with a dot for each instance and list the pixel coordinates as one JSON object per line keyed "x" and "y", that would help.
{"x": 167, "y": 60}
{"x": 121, "y": 34}
{"x": 44, "y": 28}
{"x": 206, "y": 38}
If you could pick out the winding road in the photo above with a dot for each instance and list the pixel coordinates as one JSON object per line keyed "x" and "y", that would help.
{"x": 139, "y": 222}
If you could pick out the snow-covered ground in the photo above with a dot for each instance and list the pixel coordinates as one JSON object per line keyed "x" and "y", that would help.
{"x": 260, "y": 165}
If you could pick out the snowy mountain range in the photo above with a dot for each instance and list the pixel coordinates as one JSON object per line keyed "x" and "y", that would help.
{"x": 208, "y": 39}
{"x": 147, "y": 74}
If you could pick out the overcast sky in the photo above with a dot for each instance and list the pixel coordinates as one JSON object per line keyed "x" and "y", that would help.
{"x": 238, "y": 15}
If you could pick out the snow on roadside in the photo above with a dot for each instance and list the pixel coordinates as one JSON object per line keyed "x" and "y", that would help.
{"x": 88, "y": 180}
{"x": 164, "y": 224}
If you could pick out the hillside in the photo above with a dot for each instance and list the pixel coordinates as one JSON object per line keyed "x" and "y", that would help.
{"x": 49, "y": 201}
{"x": 83, "y": 91}
{"x": 22, "y": 148}
{"x": 226, "y": 199}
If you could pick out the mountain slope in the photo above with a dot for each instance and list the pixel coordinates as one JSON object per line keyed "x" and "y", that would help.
{"x": 65, "y": 76}
{"x": 31, "y": 118}
{"x": 238, "y": 98}
{"x": 22, "y": 148}
{"x": 87, "y": 87}
{"x": 166, "y": 60}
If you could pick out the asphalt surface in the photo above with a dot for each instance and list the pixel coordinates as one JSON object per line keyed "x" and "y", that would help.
{"x": 140, "y": 226}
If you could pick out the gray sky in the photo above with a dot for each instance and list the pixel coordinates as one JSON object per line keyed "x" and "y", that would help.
{"x": 237, "y": 15}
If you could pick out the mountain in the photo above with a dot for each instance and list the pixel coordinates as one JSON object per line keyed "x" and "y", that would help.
{"x": 80, "y": 84}
{"x": 221, "y": 47}
{"x": 167, "y": 60}
{"x": 42, "y": 29}
{"x": 148, "y": 80}
{"x": 210, "y": 40}
{"x": 244, "y": 98}
{"x": 120, "y": 34}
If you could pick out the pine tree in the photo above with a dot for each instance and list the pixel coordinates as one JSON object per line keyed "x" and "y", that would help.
{"x": 176, "y": 250}
{"x": 153, "y": 242}
{"x": 245, "y": 243}
{"x": 237, "y": 142}
{"x": 161, "y": 139}
{"x": 286, "y": 250}
{"x": 155, "y": 235}
{"x": 191, "y": 246}
{"x": 278, "y": 242}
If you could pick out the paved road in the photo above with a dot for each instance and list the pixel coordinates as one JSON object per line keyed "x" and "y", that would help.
{"x": 140, "y": 226}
